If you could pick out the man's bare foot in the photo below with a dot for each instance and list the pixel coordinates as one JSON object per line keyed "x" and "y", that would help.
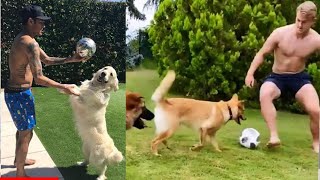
{"x": 316, "y": 147}
{"x": 28, "y": 162}
{"x": 273, "y": 142}
{"x": 21, "y": 174}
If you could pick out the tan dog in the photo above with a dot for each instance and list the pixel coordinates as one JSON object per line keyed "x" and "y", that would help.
{"x": 204, "y": 116}
{"x": 135, "y": 110}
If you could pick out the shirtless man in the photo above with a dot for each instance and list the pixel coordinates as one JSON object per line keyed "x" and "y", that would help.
{"x": 25, "y": 66}
{"x": 291, "y": 45}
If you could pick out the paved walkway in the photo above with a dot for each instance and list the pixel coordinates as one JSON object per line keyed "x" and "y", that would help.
{"x": 44, "y": 166}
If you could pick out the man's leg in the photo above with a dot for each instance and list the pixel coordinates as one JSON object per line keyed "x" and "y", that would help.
{"x": 24, "y": 138}
{"x": 268, "y": 92}
{"x": 309, "y": 98}
{"x": 28, "y": 161}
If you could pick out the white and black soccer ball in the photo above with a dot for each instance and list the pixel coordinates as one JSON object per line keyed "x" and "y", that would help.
{"x": 249, "y": 138}
{"x": 86, "y": 47}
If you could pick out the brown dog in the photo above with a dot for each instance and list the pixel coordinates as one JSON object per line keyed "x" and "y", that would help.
{"x": 204, "y": 116}
{"x": 136, "y": 111}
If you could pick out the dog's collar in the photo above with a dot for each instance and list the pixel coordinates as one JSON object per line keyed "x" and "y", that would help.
{"x": 230, "y": 112}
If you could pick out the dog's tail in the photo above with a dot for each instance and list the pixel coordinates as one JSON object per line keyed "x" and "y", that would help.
{"x": 164, "y": 87}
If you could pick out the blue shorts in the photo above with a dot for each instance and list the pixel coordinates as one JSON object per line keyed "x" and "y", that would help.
{"x": 289, "y": 83}
{"x": 21, "y": 107}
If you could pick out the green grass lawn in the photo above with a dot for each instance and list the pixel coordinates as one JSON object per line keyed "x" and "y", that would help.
{"x": 57, "y": 132}
{"x": 294, "y": 160}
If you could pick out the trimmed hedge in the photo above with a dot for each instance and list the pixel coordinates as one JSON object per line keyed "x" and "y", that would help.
{"x": 104, "y": 22}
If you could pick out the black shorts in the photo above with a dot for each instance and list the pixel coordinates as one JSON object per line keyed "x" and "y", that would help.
{"x": 289, "y": 83}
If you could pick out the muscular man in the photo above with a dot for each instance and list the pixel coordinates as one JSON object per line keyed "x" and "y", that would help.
{"x": 291, "y": 45}
{"x": 25, "y": 66}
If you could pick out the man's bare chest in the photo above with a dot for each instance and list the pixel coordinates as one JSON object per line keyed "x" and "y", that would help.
{"x": 291, "y": 47}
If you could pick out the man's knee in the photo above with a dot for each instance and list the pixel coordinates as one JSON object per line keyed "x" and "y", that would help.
{"x": 267, "y": 96}
{"x": 314, "y": 111}
{"x": 24, "y": 136}
{"x": 264, "y": 97}
{"x": 268, "y": 92}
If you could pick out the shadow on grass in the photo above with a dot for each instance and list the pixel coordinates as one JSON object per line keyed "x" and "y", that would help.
{"x": 68, "y": 173}
{"x": 76, "y": 172}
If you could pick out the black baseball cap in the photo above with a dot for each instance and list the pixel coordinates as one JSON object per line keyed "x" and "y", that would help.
{"x": 33, "y": 11}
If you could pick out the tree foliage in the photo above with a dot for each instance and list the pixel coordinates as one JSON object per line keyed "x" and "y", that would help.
{"x": 134, "y": 12}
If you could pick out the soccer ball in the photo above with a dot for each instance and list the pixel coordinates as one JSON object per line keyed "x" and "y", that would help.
{"x": 250, "y": 138}
{"x": 86, "y": 47}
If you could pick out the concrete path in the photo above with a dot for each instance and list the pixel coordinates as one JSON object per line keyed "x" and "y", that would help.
{"x": 44, "y": 166}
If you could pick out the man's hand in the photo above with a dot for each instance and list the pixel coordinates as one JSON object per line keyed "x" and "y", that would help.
{"x": 250, "y": 81}
{"x": 77, "y": 58}
{"x": 71, "y": 89}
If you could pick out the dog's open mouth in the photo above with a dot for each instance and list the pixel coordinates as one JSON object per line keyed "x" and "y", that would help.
{"x": 147, "y": 115}
{"x": 239, "y": 118}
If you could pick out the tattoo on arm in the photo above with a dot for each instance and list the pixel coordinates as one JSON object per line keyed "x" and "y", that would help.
{"x": 51, "y": 60}
{"x": 55, "y": 60}
{"x": 34, "y": 55}
{"x": 35, "y": 63}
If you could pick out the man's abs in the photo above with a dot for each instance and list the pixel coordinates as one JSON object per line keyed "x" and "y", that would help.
{"x": 290, "y": 65}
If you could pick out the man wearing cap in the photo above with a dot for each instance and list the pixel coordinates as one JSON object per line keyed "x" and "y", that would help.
{"x": 25, "y": 66}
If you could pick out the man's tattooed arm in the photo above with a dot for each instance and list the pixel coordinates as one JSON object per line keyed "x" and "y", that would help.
{"x": 34, "y": 62}
{"x": 52, "y": 60}
{"x": 36, "y": 67}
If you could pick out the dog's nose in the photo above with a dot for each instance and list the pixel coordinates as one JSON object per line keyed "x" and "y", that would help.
{"x": 103, "y": 74}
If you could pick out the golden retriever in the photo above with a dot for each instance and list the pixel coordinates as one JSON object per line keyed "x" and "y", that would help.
{"x": 204, "y": 116}
{"x": 89, "y": 111}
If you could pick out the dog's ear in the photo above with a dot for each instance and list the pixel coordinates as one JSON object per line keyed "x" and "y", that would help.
{"x": 235, "y": 97}
{"x": 115, "y": 85}
{"x": 130, "y": 101}
{"x": 133, "y": 100}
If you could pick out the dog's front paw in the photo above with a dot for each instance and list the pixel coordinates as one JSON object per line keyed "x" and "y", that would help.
{"x": 101, "y": 177}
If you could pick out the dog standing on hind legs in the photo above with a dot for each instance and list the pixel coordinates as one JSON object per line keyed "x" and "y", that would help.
{"x": 204, "y": 116}
{"x": 89, "y": 109}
